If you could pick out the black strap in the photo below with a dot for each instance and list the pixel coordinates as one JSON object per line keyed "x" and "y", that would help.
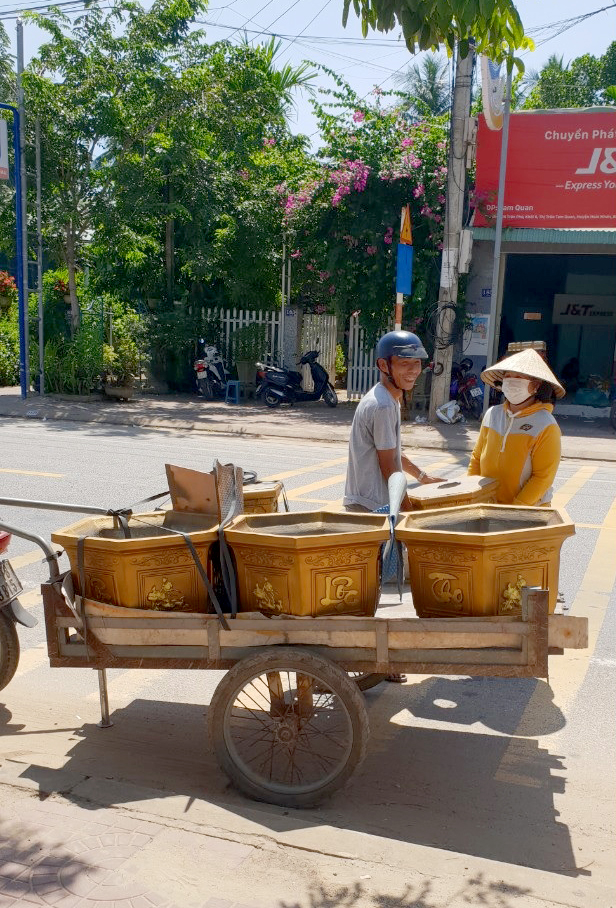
{"x": 81, "y": 545}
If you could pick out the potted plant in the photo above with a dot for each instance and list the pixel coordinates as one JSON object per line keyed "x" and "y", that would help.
{"x": 248, "y": 344}
{"x": 120, "y": 368}
{"x": 8, "y": 290}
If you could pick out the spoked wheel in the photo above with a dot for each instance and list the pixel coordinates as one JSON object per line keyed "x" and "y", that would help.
{"x": 9, "y": 649}
{"x": 288, "y": 726}
{"x": 366, "y": 680}
{"x": 207, "y": 391}
{"x": 330, "y": 397}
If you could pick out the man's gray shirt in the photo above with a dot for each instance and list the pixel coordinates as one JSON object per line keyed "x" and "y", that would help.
{"x": 376, "y": 427}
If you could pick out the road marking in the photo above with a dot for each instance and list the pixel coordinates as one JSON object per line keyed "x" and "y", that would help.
{"x": 563, "y": 496}
{"x": 314, "y": 468}
{"x": 21, "y": 561}
{"x": 567, "y": 672}
{"x": 295, "y": 494}
{"x": 32, "y": 473}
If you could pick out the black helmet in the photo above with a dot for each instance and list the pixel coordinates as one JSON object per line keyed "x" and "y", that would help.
{"x": 400, "y": 343}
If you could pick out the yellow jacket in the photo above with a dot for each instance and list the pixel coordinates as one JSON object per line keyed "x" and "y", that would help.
{"x": 522, "y": 451}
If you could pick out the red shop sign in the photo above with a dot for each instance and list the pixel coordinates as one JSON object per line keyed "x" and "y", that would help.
{"x": 561, "y": 170}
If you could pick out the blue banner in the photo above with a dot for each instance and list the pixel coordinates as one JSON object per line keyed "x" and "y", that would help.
{"x": 404, "y": 269}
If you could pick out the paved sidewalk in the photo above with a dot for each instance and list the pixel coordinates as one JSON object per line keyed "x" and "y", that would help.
{"x": 587, "y": 439}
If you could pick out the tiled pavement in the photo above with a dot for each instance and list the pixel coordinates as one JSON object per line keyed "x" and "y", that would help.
{"x": 67, "y": 856}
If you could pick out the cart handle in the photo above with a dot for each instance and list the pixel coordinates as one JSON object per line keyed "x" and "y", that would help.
{"x": 51, "y": 557}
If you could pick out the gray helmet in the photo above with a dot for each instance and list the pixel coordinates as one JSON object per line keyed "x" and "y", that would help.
{"x": 400, "y": 343}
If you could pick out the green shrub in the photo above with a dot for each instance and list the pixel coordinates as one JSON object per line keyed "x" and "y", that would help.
{"x": 9, "y": 347}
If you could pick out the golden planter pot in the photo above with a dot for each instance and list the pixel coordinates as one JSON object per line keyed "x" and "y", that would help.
{"x": 316, "y": 563}
{"x": 152, "y": 570}
{"x": 474, "y": 560}
{"x": 454, "y": 492}
{"x": 262, "y": 497}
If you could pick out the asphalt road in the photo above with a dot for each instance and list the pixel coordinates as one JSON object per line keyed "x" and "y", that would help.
{"x": 506, "y": 786}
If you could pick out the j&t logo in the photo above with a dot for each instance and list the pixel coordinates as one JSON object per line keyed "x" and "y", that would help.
{"x": 607, "y": 165}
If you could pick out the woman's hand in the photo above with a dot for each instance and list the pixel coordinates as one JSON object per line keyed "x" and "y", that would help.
{"x": 426, "y": 480}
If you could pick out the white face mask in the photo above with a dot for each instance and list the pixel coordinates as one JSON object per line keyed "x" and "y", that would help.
{"x": 516, "y": 390}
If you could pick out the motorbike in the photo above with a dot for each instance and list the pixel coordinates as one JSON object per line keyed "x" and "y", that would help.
{"x": 464, "y": 388}
{"x": 284, "y": 386}
{"x": 11, "y": 613}
{"x": 211, "y": 374}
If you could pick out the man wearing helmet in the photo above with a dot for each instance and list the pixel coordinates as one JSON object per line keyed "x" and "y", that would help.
{"x": 375, "y": 445}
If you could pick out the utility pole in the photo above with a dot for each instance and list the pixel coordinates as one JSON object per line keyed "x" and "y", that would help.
{"x": 24, "y": 190}
{"x": 454, "y": 213}
{"x": 39, "y": 259}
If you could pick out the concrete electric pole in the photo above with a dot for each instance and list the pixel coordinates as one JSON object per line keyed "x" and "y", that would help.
{"x": 454, "y": 213}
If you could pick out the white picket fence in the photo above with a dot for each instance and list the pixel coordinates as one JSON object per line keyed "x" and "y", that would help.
{"x": 319, "y": 332}
{"x": 233, "y": 319}
{"x": 362, "y": 372}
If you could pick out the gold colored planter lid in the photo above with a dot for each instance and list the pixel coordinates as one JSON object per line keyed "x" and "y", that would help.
{"x": 308, "y": 528}
{"x": 437, "y": 494}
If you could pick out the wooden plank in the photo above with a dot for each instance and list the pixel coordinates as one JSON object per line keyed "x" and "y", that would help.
{"x": 535, "y": 606}
{"x": 429, "y": 640}
{"x": 213, "y": 639}
{"x": 382, "y": 649}
{"x": 567, "y": 632}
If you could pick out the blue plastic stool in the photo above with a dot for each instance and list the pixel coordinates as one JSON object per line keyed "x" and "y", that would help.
{"x": 232, "y": 392}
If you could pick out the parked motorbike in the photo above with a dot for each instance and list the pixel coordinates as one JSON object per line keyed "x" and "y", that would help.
{"x": 11, "y": 613}
{"x": 284, "y": 386}
{"x": 211, "y": 374}
{"x": 464, "y": 388}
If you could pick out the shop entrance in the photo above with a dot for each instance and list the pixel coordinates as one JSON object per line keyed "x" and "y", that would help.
{"x": 580, "y": 352}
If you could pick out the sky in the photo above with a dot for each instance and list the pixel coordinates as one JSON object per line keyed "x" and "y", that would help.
{"x": 312, "y": 30}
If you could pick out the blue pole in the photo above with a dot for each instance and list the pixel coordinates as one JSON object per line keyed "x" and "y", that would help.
{"x": 21, "y": 294}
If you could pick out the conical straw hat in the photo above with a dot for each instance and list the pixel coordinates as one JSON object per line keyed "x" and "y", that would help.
{"x": 526, "y": 362}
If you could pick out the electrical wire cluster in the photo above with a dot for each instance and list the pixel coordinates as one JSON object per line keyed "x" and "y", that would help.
{"x": 445, "y": 325}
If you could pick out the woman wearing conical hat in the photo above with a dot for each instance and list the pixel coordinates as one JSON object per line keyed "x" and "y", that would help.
{"x": 519, "y": 440}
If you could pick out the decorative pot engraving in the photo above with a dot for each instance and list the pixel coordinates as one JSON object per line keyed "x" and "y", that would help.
{"x": 97, "y": 589}
{"x": 266, "y": 597}
{"x": 338, "y": 558}
{"x": 512, "y": 596}
{"x": 444, "y": 555}
{"x": 339, "y": 590}
{"x": 265, "y": 559}
{"x": 441, "y": 587}
{"x": 513, "y": 555}
{"x": 100, "y": 560}
{"x": 165, "y": 597}
{"x": 162, "y": 560}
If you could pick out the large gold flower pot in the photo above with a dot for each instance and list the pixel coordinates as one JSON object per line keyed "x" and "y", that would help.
{"x": 262, "y": 497}
{"x": 474, "y": 560}
{"x": 315, "y": 563}
{"x": 152, "y": 570}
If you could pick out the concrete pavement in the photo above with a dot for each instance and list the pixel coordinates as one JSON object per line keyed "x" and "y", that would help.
{"x": 586, "y": 439}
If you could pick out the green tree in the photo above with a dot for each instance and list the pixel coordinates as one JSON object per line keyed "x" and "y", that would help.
{"x": 345, "y": 217}
{"x": 494, "y": 25}
{"x": 426, "y": 86}
{"x": 583, "y": 82}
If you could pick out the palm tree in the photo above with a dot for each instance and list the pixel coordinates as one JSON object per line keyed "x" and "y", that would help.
{"x": 426, "y": 86}
{"x": 286, "y": 79}
{"x": 554, "y": 64}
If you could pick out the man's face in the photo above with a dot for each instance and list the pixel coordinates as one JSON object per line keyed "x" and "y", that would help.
{"x": 404, "y": 371}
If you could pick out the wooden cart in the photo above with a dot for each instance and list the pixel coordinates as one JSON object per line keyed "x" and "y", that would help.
{"x": 287, "y": 722}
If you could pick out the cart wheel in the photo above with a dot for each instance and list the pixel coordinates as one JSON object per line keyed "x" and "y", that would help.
{"x": 366, "y": 680}
{"x": 9, "y": 649}
{"x": 288, "y": 726}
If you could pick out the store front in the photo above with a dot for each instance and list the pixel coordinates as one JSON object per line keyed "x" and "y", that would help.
{"x": 557, "y": 277}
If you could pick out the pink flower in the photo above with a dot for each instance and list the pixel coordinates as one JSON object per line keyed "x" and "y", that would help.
{"x": 297, "y": 254}
{"x": 387, "y": 239}
{"x": 419, "y": 190}
{"x": 389, "y": 231}
{"x": 244, "y": 174}
{"x": 309, "y": 267}
{"x": 323, "y": 275}
{"x": 407, "y": 143}
{"x": 269, "y": 141}
{"x": 441, "y": 199}
{"x": 371, "y": 250}
{"x": 359, "y": 116}
{"x": 332, "y": 289}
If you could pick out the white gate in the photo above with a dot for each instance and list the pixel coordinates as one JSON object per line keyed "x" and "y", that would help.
{"x": 319, "y": 333}
{"x": 362, "y": 372}
{"x": 233, "y": 319}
